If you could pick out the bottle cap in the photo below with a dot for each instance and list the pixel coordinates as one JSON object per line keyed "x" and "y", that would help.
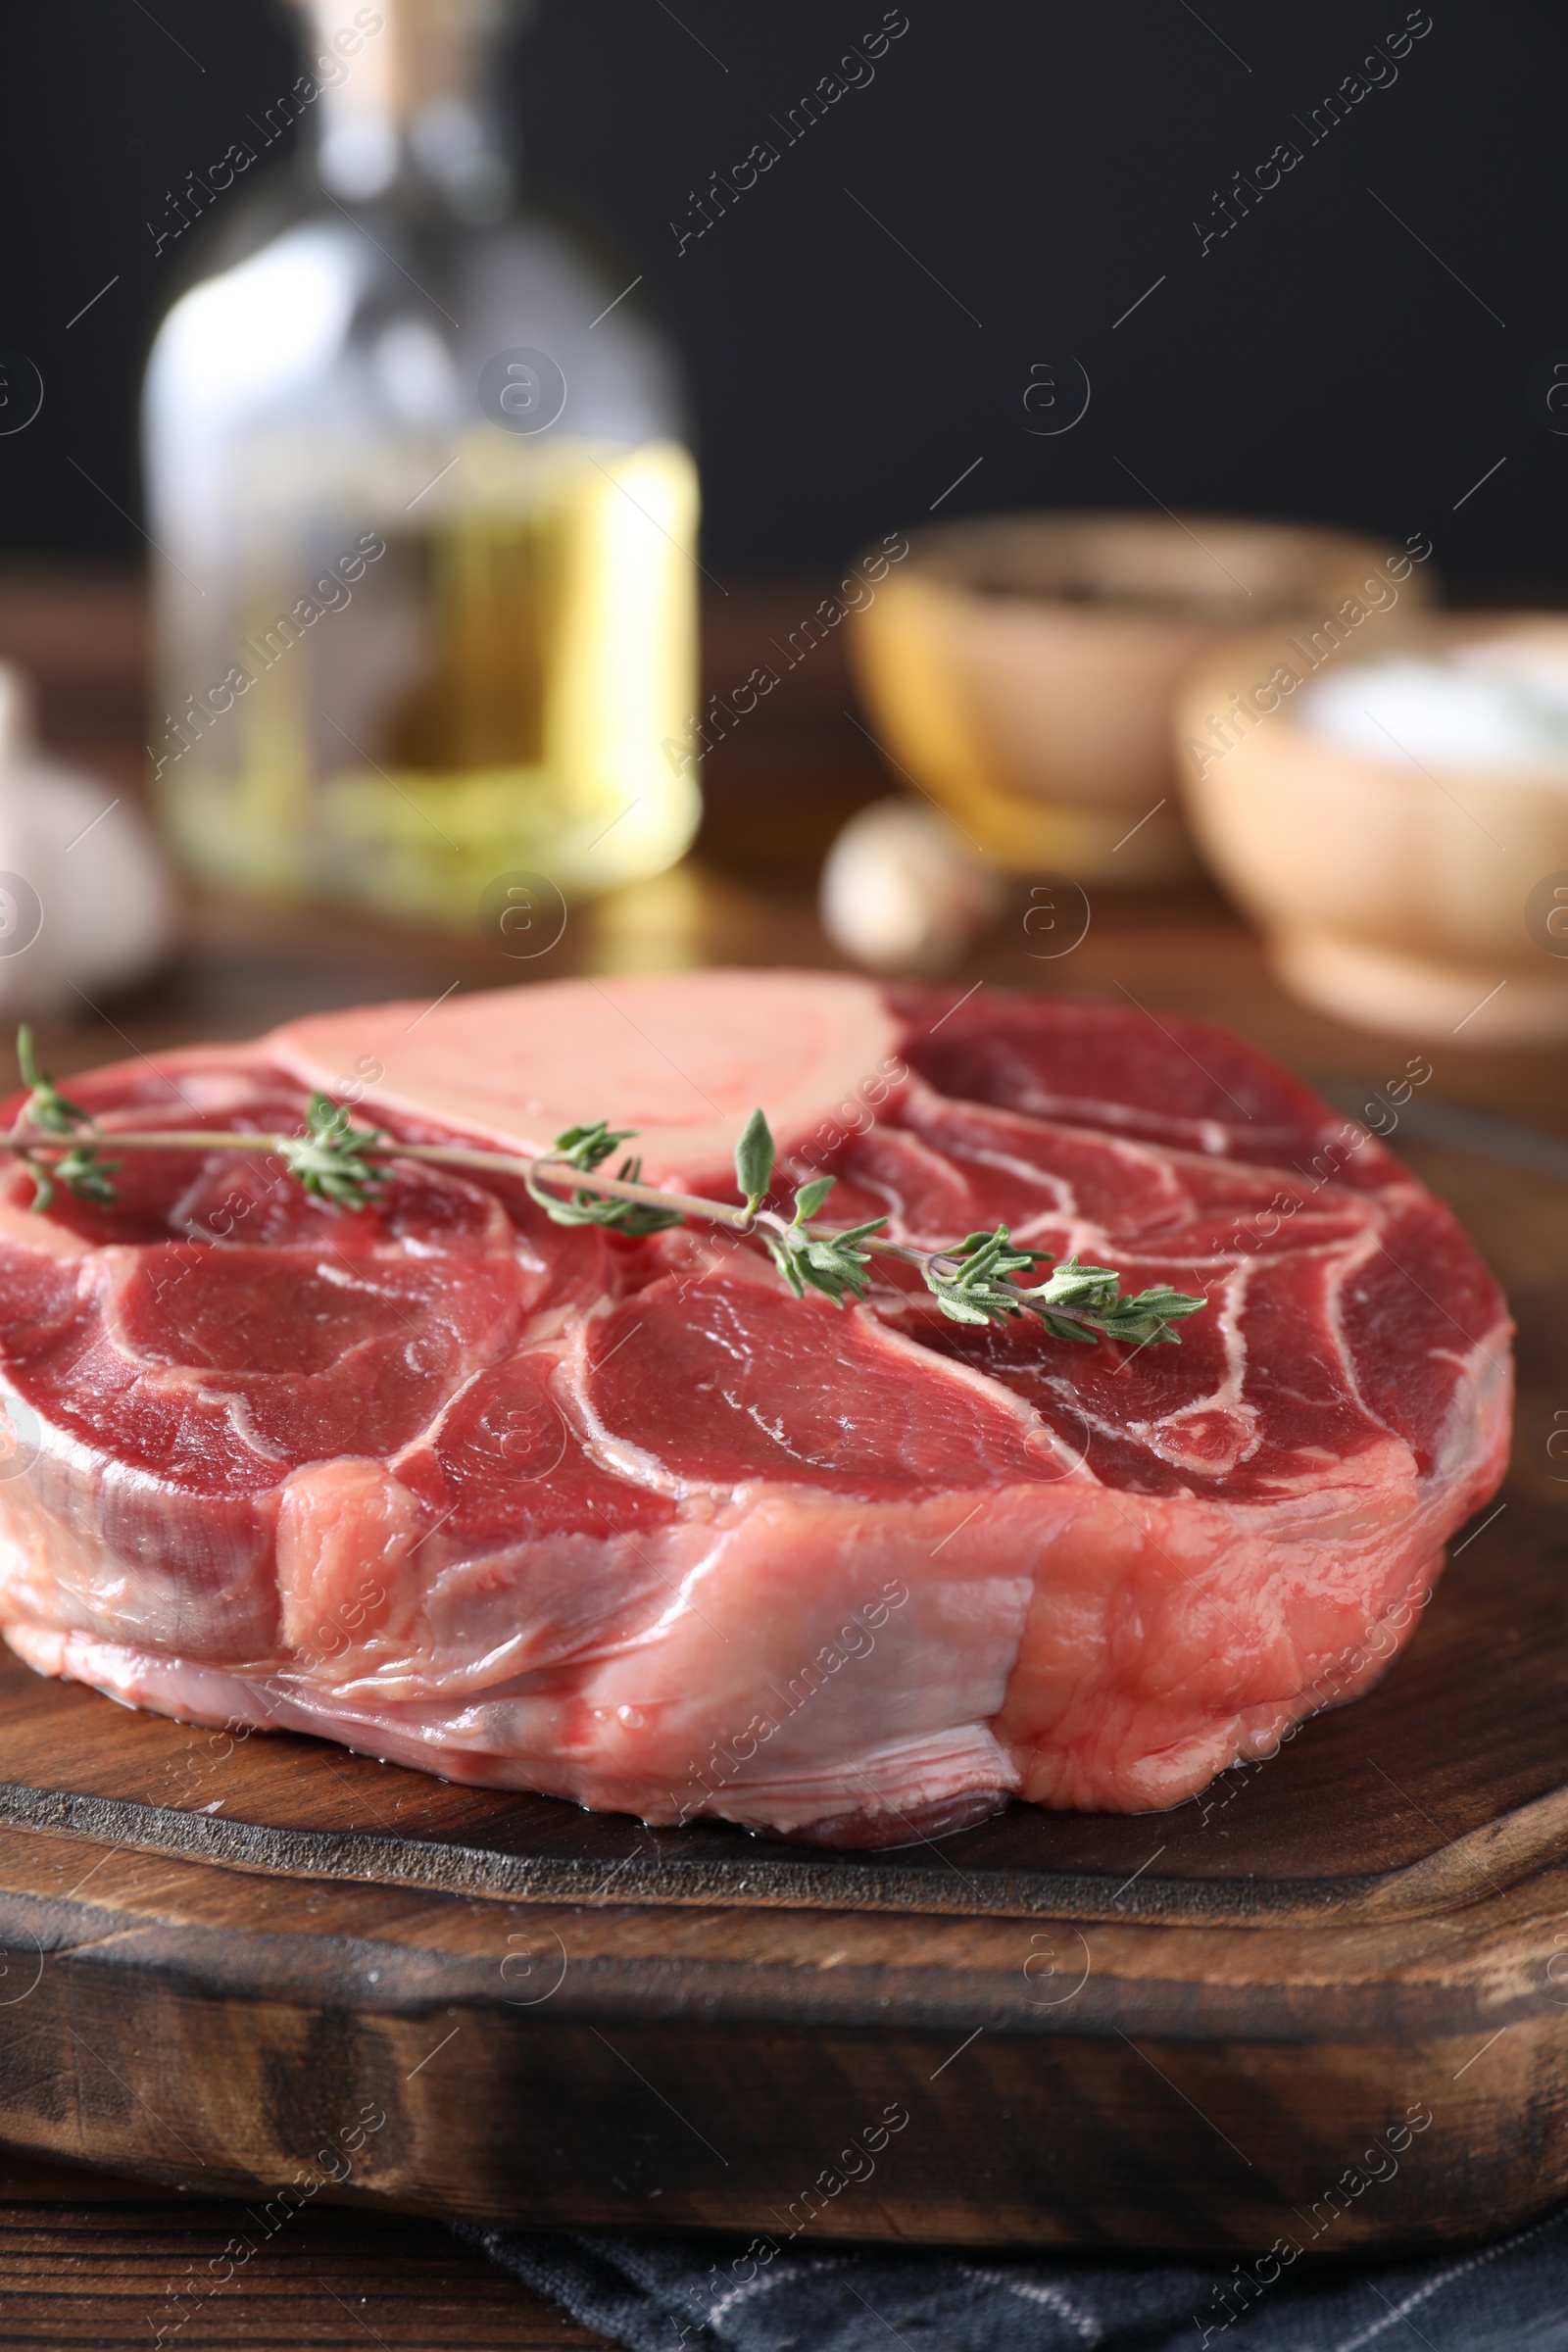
{"x": 402, "y": 55}
{"x": 391, "y": 71}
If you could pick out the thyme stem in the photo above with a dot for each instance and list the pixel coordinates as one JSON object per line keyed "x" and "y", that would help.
{"x": 544, "y": 1167}
{"x": 970, "y": 1282}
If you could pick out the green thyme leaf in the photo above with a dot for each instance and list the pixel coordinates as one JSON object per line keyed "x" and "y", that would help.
{"x": 82, "y": 1169}
{"x": 584, "y": 1148}
{"x": 834, "y": 1267}
{"x": 1079, "y": 1303}
{"x": 973, "y": 1284}
{"x": 829, "y": 1263}
{"x": 46, "y": 1106}
{"x": 977, "y": 1288}
{"x": 811, "y": 1197}
{"x": 754, "y": 1161}
{"x": 328, "y": 1160}
{"x": 85, "y": 1171}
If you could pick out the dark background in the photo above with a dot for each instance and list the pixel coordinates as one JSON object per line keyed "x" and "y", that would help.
{"x": 1044, "y": 159}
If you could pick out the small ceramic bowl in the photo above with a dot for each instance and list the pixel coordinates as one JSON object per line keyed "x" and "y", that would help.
{"x": 1023, "y": 668}
{"x": 1409, "y": 877}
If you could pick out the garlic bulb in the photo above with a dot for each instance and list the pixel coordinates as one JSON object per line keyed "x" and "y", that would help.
{"x": 902, "y": 892}
{"x": 85, "y": 900}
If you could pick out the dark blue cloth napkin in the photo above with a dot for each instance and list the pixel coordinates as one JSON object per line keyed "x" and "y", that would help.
{"x": 655, "y": 2296}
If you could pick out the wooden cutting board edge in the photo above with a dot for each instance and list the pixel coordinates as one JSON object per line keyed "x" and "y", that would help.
{"x": 1461, "y": 1872}
{"x": 1167, "y": 2106}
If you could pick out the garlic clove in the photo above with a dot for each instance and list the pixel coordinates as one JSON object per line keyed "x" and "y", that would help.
{"x": 85, "y": 898}
{"x": 18, "y": 730}
{"x": 902, "y": 893}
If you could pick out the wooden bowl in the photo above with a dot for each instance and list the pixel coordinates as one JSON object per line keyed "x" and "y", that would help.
{"x": 1424, "y": 897}
{"x": 1023, "y": 668}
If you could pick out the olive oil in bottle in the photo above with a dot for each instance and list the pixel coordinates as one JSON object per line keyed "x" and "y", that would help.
{"x": 426, "y": 518}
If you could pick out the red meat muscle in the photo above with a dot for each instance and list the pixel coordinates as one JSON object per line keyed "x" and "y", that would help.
{"x": 625, "y": 1522}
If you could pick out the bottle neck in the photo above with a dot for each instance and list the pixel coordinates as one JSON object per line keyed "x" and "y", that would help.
{"x": 408, "y": 105}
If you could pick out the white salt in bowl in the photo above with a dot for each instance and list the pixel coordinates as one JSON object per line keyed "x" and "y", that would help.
{"x": 1395, "y": 817}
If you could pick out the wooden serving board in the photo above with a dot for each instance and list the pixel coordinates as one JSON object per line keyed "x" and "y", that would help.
{"x": 1328, "y": 2001}
{"x": 225, "y": 1961}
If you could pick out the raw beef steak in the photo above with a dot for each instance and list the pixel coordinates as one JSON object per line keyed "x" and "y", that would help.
{"x": 625, "y": 1522}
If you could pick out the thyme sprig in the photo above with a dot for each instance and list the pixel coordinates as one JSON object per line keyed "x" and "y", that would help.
{"x": 81, "y": 1167}
{"x": 972, "y": 1283}
{"x": 585, "y": 1149}
{"x": 329, "y": 1158}
{"x": 1091, "y": 1296}
{"x": 829, "y": 1262}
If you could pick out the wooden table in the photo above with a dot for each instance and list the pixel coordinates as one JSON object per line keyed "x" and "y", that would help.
{"x": 83, "y": 2259}
{"x": 89, "y": 2261}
